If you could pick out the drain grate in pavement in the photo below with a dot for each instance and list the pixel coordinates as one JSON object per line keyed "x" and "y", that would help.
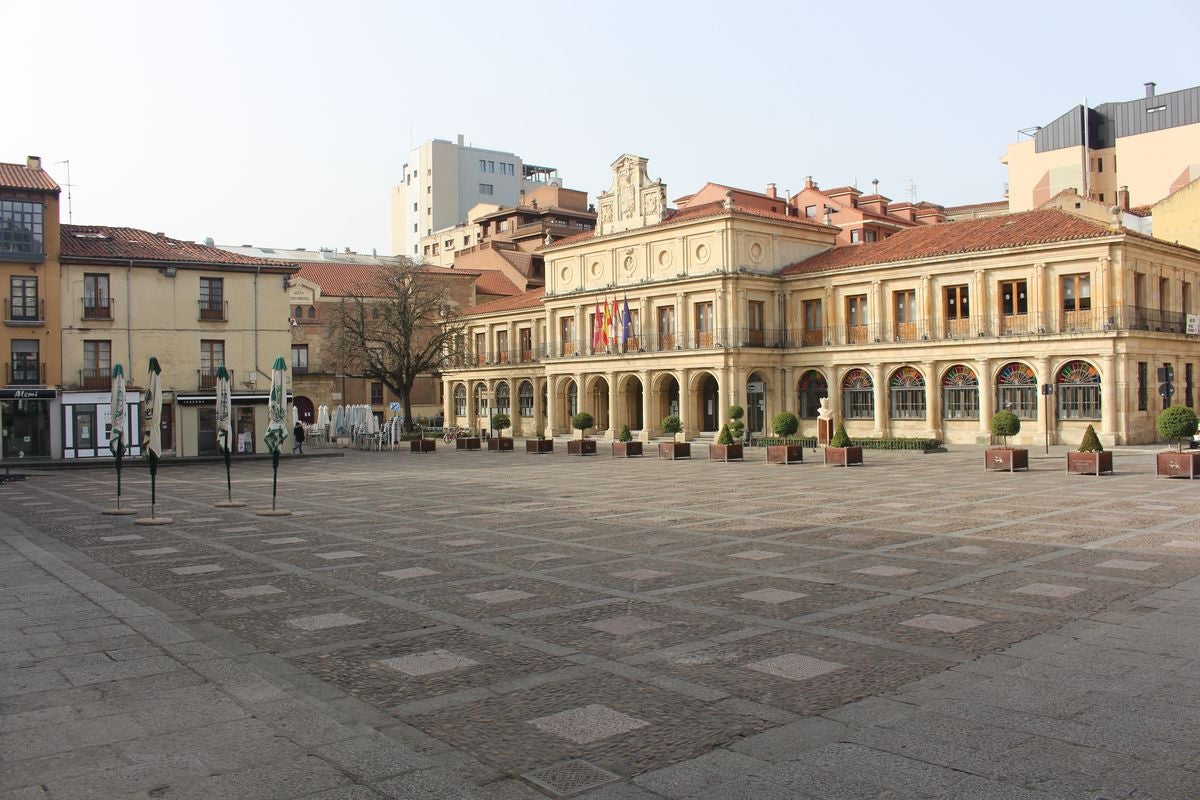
{"x": 570, "y": 777}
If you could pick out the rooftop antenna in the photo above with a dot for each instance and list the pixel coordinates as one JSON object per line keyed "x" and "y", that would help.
{"x": 912, "y": 190}
{"x": 70, "y": 210}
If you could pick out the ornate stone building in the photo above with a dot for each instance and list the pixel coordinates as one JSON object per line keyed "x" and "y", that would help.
{"x": 924, "y": 333}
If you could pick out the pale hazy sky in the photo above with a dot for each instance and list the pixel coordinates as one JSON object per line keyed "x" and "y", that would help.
{"x": 285, "y": 123}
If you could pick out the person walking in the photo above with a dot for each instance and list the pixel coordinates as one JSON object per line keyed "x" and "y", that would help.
{"x": 298, "y": 438}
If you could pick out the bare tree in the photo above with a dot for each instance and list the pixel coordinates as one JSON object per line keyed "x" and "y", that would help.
{"x": 396, "y": 327}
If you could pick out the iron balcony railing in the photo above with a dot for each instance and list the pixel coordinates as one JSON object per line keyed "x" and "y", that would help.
{"x": 95, "y": 378}
{"x": 214, "y": 310}
{"x": 23, "y": 311}
{"x": 24, "y": 373}
{"x": 97, "y": 308}
{"x": 207, "y": 378}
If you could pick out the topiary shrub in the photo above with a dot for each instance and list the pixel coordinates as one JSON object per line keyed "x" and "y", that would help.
{"x": 785, "y": 424}
{"x": 1091, "y": 442}
{"x": 582, "y": 421}
{"x": 1176, "y": 424}
{"x": 672, "y": 425}
{"x": 725, "y": 436}
{"x": 1004, "y": 425}
{"x": 736, "y": 426}
{"x": 840, "y": 439}
{"x": 624, "y": 435}
{"x": 500, "y": 422}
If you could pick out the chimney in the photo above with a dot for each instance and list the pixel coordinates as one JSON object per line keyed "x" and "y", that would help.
{"x": 33, "y": 162}
{"x": 771, "y": 190}
{"x": 1149, "y": 88}
{"x": 460, "y": 140}
{"x": 1123, "y": 198}
{"x": 875, "y": 186}
{"x": 808, "y": 182}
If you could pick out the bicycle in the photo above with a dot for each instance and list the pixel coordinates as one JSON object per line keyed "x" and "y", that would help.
{"x": 453, "y": 433}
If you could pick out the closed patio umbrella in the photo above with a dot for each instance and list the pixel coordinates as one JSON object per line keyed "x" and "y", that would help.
{"x": 152, "y": 435}
{"x": 117, "y": 434}
{"x": 225, "y": 433}
{"x": 276, "y": 429}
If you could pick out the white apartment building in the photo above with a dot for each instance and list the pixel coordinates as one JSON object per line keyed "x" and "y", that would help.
{"x": 444, "y": 180}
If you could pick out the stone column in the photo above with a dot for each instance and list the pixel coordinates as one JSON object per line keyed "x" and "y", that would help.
{"x": 727, "y": 394}
{"x": 879, "y": 386}
{"x": 875, "y": 313}
{"x": 681, "y": 329}
{"x": 551, "y": 405}
{"x": 1046, "y": 415}
{"x": 687, "y": 401}
{"x": 933, "y": 400}
{"x": 538, "y": 411}
{"x": 448, "y": 402}
{"x": 785, "y": 394}
{"x": 472, "y": 417}
{"x": 833, "y": 376}
{"x": 614, "y": 422}
{"x": 1038, "y": 309}
{"x": 1108, "y": 400}
{"x": 987, "y": 398}
{"x": 649, "y": 423}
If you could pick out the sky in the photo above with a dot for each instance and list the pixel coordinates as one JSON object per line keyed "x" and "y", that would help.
{"x": 283, "y": 124}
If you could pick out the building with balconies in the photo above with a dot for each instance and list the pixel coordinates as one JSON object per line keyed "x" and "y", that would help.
{"x": 29, "y": 338}
{"x": 925, "y": 333}
{"x": 127, "y": 295}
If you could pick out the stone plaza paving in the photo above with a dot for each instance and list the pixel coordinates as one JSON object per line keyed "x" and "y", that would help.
{"x": 513, "y": 626}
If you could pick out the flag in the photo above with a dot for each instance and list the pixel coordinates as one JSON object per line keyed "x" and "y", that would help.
{"x": 597, "y": 322}
{"x": 607, "y": 326}
{"x": 116, "y": 438}
{"x": 224, "y": 411}
{"x": 276, "y": 408}
{"x": 616, "y": 323}
{"x": 626, "y": 323}
{"x": 152, "y": 413}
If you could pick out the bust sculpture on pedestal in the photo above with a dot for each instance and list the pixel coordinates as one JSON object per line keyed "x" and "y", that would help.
{"x": 824, "y": 422}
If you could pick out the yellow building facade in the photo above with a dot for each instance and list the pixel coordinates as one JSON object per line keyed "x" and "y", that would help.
{"x": 924, "y": 334}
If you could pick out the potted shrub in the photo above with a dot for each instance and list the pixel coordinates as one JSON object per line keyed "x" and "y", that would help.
{"x": 674, "y": 449}
{"x": 1004, "y": 458}
{"x": 1176, "y": 424}
{"x": 785, "y": 424}
{"x": 841, "y": 452}
{"x": 625, "y": 446}
{"x": 1091, "y": 458}
{"x": 500, "y": 443}
{"x": 737, "y": 428}
{"x": 539, "y": 445}
{"x": 582, "y": 446}
{"x": 421, "y": 444}
{"x": 726, "y": 449}
{"x": 468, "y": 443}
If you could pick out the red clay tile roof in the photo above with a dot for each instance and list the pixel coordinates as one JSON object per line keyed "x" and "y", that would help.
{"x": 342, "y": 280}
{"x": 1141, "y": 211}
{"x": 867, "y": 198}
{"x": 990, "y": 233}
{"x": 493, "y": 281}
{"x": 131, "y": 244}
{"x": 530, "y": 299}
{"x": 521, "y": 261}
{"x": 19, "y": 176}
{"x": 993, "y": 204}
{"x": 840, "y": 190}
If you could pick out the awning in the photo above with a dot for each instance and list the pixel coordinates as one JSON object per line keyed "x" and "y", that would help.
{"x": 28, "y": 394}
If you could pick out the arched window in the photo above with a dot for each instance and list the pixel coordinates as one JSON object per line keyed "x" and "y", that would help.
{"x": 503, "y": 397}
{"x": 960, "y": 393}
{"x": 375, "y": 312}
{"x": 525, "y": 399}
{"x": 1078, "y": 391}
{"x": 460, "y": 400}
{"x": 1017, "y": 390}
{"x": 299, "y": 312}
{"x": 312, "y": 312}
{"x": 813, "y": 387}
{"x": 858, "y": 395}
{"x": 907, "y": 394}
{"x": 480, "y": 403}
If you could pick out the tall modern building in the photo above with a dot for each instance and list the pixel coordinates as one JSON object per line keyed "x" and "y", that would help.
{"x": 443, "y": 180}
{"x": 1130, "y": 153}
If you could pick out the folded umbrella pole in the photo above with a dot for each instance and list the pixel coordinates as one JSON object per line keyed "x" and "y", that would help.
{"x": 152, "y": 437}
{"x": 276, "y": 431}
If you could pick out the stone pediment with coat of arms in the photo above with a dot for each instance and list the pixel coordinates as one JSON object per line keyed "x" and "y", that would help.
{"x": 633, "y": 201}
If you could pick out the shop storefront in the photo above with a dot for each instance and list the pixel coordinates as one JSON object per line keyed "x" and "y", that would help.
{"x": 196, "y": 432}
{"x": 25, "y": 423}
{"x": 87, "y": 422}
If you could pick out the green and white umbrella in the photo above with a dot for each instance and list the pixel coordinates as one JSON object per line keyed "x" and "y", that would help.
{"x": 152, "y": 425}
{"x": 117, "y": 434}
{"x": 225, "y": 430}
{"x": 277, "y": 430}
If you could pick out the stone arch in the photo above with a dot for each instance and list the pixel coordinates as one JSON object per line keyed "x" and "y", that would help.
{"x": 906, "y": 393}
{"x": 812, "y": 385}
{"x": 1077, "y": 384}
{"x": 705, "y": 389}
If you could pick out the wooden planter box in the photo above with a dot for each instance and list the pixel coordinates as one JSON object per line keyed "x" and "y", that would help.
{"x": 423, "y": 445}
{"x": 467, "y": 443}
{"x": 1089, "y": 463}
{"x": 843, "y": 456}
{"x": 1006, "y": 459}
{"x": 500, "y": 444}
{"x": 785, "y": 453}
{"x": 674, "y": 450}
{"x": 539, "y": 445}
{"x": 626, "y": 449}
{"x": 725, "y": 452}
{"x": 1174, "y": 464}
{"x": 581, "y": 447}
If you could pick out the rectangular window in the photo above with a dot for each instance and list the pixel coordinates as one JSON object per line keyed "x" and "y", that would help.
{"x": 704, "y": 324}
{"x": 21, "y": 228}
{"x": 566, "y": 335}
{"x": 869, "y": 236}
{"x": 1021, "y": 399}
{"x": 376, "y": 393}
{"x": 908, "y": 403}
{"x": 481, "y": 348}
{"x": 96, "y": 297}
{"x": 810, "y": 212}
{"x": 1076, "y": 293}
{"x": 1164, "y": 293}
{"x": 814, "y": 323}
{"x": 415, "y": 207}
{"x": 525, "y": 344}
{"x": 855, "y": 236}
{"x": 212, "y": 298}
{"x": 960, "y": 402}
{"x": 1189, "y": 385}
{"x": 23, "y": 304}
{"x": 299, "y": 359}
{"x": 755, "y": 318}
{"x": 460, "y": 402}
{"x": 1014, "y": 299}
{"x": 483, "y": 165}
{"x": 1078, "y": 401}
{"x": 486, "y": 188}
{"x": 904, "y": 310}
{"x": 501, "y": 347}
{"x": 25, "y": 369}
{"x": 859, "y": 403}
{"x": 1185, "y": 298}
{"x": 212, "y": 355}
{"x": 97, "y": 365}
{"x": 525, "y": 399}
{"x": 1143, "y": 395}
{"x": 856, "y": 319}
{"x": 502, "y": 226}
{"x": 958, "y": 305}
{"x": 666, "y": 327}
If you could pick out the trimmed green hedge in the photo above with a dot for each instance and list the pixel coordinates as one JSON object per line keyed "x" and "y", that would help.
{"x": 865, "y": 444}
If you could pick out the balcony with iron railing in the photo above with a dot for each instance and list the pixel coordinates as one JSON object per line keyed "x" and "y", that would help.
{"x": 24, "y": 373}
{"x": 23, "y": 311}
{"x": 206, "y": 378}
{"x": 214, "y": 310}
{"x": 97, "y": 308}
{"x": 95, "y": 378}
